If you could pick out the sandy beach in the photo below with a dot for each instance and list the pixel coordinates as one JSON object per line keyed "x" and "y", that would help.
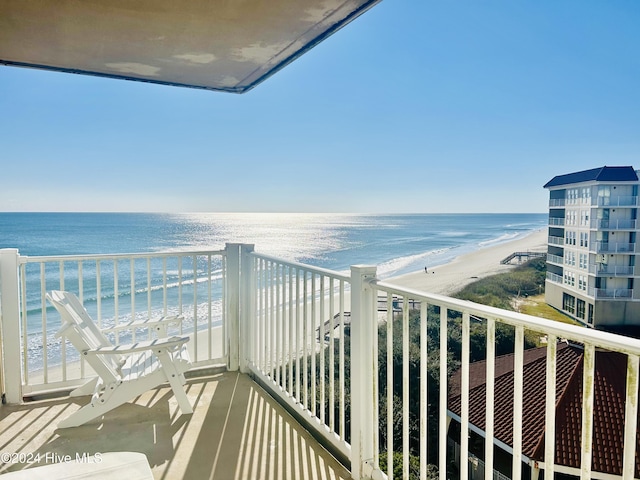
{"x": 448, "y": 278}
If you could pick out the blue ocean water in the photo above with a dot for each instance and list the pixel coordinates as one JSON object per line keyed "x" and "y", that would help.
{"x": 396, "y": 243}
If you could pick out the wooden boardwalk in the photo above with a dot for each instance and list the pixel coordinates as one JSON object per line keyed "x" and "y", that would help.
{"x": 521, "y": 255}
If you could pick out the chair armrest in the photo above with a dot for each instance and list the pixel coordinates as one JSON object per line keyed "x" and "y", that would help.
{"x": 158, "y": 324}
{"x": 158, "y": 344}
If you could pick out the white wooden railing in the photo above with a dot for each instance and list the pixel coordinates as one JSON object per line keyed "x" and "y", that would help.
{"x": 313, "y": 338}
{"x": 115, "y": 289}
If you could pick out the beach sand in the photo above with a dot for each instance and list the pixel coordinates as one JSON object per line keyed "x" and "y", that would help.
{"x": 451, "y": 277}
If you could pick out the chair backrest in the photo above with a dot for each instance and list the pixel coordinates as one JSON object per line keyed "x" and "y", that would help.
{"x": 84, "y": 334}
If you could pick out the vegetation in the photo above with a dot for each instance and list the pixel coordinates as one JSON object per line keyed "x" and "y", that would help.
{"x": 502, "y": 289}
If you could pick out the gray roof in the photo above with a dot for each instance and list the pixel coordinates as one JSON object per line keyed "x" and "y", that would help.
{"x": 601, "y": 174}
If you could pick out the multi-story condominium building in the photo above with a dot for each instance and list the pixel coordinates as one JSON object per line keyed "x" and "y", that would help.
{"x": 592, "y": 251}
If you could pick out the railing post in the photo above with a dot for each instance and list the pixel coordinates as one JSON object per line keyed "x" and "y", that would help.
{"x": 364, "y": 375}
{"x": 247, "y": 308}
{"x": 233, "y": 305}
{"x": 11, "y": 377}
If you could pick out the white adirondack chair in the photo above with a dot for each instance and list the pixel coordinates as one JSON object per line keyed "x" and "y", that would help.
{"x": 124, "y": 371}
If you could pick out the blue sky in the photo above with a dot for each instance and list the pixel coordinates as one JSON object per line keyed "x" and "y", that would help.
{"x": 417, "y": 106}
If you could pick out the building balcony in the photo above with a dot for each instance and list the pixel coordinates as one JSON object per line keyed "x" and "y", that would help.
{"x": 614, "y": 224}
{"x": 557, "y": 259}
{"x": 555, "y": 240}
{"x": 611, "y": 293}
{"x": 611, "y": 270}
{"x": 287, "y": 357}
{"x": 613, "y": 247}
{"x": 616, "y": 201}
{"x": 557, "y": 202}
{"x": 554, "y": 278}
{"x": 556, "y": 221}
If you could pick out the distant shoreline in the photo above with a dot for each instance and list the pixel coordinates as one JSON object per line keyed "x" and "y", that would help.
{"x": 451, "y": 277}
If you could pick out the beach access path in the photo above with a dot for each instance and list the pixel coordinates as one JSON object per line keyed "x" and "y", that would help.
{"x": 451, "y": 277}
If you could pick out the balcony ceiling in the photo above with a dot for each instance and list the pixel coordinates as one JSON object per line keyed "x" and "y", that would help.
{"x": 222, "y": 45}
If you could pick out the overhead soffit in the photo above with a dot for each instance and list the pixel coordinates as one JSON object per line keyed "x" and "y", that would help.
{"x": 222, "y": 45}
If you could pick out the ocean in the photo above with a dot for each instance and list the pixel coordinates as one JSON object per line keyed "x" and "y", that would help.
{"x": 397, "y": 244}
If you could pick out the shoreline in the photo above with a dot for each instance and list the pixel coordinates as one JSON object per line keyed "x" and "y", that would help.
{"x": 451, "y": 277}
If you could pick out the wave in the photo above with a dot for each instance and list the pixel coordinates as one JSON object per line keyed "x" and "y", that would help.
{"x": 505, "y": 237}
{"x": 407, "y": 263}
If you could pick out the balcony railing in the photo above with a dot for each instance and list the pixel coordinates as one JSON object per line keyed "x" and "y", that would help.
{"x": 600, "y": 269}
{"x": 614, "y": 224}
{"x": 557, "y": 259}
{"x": 555, "y": 240}
{"x": 614, "y": 247}
{"x": 616, "y": 201}
{"x": 554, "y": 277}
{"x": 611, "y": 293}
{"x": 324, "y": 343}
{"x": 557, "y": 202}
{"x": 557, "y": 221}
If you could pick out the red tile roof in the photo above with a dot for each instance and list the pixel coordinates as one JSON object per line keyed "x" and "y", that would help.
{"x": 609, "y": 403}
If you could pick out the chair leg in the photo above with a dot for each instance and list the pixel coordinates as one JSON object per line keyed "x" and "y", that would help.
{"x": 176, "y": 380}
{"x": 84, "y": 415}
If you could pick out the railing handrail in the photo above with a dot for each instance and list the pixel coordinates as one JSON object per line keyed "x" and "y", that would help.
{"x": 574, "y": 333}
{"x": 302, "y": 266}
{"x": 116, "y": 256}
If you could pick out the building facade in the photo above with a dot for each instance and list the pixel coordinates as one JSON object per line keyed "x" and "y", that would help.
{"x": 592, "y": 246}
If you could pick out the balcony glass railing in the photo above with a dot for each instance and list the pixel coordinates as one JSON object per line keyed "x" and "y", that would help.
{"x": 556, "y": 221}
{"x": 611, "y": 247}
{"x": 555, "y": 240}
{"x": 611, "y": 270}
{"x": 611, "y": 293}
{"x": 614, "y": 224}
{"x": 616, "y": 201}
{"x": 557, "y": 259}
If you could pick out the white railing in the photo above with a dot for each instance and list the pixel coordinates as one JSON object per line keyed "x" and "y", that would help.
{"x": 353, "y": 358}
{"x": 297, "y": 345}
{"x": 115, "y": 290}
{"x": 556, "y": 221}
{"x": 554, "y": 277}
{"x": 557, "y": 202}
{"x": 555, "y": 259}
{"x": 556, "y": 240}
{"x": 438, "y": 311}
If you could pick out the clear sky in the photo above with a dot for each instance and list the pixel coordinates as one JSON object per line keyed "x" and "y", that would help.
{"x": 417, "y": 106}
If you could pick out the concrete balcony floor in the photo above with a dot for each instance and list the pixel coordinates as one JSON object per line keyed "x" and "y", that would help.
{"x": 237, "y": 431}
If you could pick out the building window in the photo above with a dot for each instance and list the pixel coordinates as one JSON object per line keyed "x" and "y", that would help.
{"x": 583, "y": 261}
{"x": 582, "y": 283}
{"x": 584, "y": 239}
{"x": 570, "y": 278}
{"x": 590, "y": 315}
{"x": 584, "y": 218}
{"x": 580, "y": 309}
{"x": 572, "y": 195}
{"x": 568, "y": 303}
{"x": 586, "y": 195}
